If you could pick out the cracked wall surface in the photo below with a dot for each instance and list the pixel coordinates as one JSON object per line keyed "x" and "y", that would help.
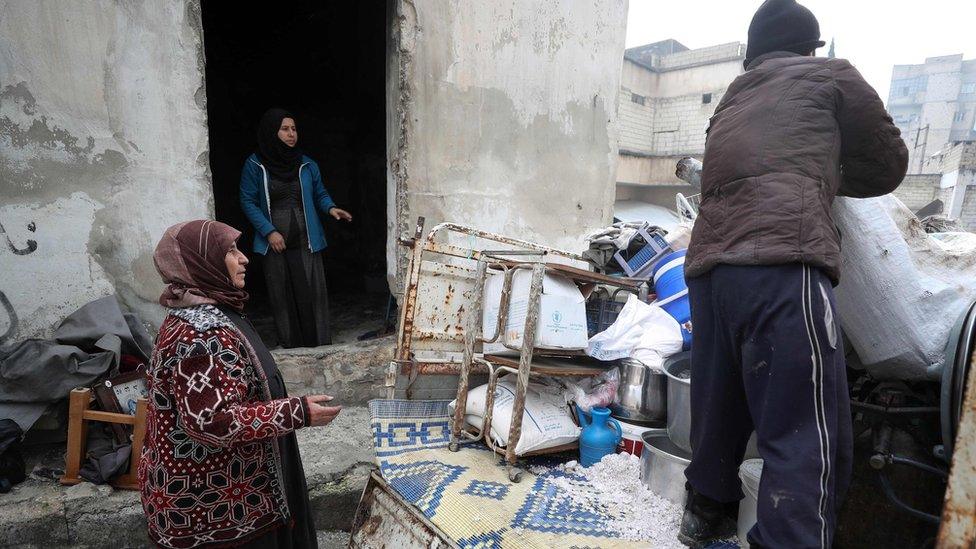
{"x": 103, "y": 144}
{"x": 502, "y": 116}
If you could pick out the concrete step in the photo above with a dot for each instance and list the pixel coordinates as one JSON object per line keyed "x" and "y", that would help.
{"x": 41, "y": 513}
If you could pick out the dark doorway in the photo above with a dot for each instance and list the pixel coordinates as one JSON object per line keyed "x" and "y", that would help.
{"x": 325, "y": 62}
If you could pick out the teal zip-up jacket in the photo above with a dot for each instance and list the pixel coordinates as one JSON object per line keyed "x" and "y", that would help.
{"x": 256, "y": 202}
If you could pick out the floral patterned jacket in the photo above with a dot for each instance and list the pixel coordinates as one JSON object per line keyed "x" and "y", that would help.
{"x": 210, "y": 472}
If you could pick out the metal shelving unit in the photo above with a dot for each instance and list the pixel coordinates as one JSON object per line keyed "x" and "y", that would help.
{"x": 442, "y": 317}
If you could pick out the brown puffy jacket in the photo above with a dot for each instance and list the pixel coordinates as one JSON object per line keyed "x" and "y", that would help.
{"x": 790, "y": 133}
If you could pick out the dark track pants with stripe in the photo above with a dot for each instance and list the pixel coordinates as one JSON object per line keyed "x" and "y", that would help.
{"x": 767, "y": 356}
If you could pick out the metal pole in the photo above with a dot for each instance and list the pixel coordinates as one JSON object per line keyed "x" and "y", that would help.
{"x": 472, "y": 333}
{"x": 525, "y": 365}
{"x": 409, "y": 305}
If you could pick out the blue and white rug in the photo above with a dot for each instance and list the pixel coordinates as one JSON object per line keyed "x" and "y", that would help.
{"x": 467, "y": 493}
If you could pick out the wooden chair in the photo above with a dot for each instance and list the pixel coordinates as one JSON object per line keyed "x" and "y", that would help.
{"x": 80, "y": 412}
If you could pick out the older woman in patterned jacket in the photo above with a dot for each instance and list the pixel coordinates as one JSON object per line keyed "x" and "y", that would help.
{"x": 221, "y": 466}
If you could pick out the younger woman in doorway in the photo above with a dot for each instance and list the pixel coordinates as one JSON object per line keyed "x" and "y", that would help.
{"x": 282, "y": 194}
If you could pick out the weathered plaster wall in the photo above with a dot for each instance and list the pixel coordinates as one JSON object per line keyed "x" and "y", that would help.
{"x": 103, "y": 144}
{"x": 503, "y": 116}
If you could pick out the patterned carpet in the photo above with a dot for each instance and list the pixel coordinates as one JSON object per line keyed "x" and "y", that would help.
{"x": 467, "y": 493}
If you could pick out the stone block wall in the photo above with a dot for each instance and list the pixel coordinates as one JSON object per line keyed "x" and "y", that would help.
{"x": 917, "y": 190}
{"x": 665, "y": 126}
{"x": 634, "y": 122}
{"x": 961, "y": 156}
{"x": 687, "y": 117}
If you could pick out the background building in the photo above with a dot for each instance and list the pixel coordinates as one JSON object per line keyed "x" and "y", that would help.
{"x": 667, "y": 94}
{"x": 934, "y": 104}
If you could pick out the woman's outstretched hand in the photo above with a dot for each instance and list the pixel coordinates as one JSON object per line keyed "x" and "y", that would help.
{"x": 340, "y": 215}
{"x": 321, "y": 415}
{"x": 277, "y": 242}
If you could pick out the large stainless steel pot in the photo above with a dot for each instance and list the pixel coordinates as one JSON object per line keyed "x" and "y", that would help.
{"x": 642, "y": 395}
{"x": 663, "y": 467}
{"x": 678, "y": 370}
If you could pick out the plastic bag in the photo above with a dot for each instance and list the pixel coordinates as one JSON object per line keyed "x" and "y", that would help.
{"x": 901, "y": 290}
{"x": 680, "y": 236}
{"x": 644, "y": 332}
{"x": 599, "y": 391}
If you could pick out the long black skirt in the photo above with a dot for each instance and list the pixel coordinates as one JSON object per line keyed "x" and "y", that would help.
{"x": 299, "y": 297}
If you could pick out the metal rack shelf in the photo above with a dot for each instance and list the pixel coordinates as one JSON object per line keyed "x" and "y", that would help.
{"x": 442, "y": 317}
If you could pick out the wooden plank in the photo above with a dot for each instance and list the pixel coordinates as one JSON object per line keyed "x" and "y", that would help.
{"x": 77, "y": 433}
{"x": 130, "y": 480}
{"x": 109, "y": 417}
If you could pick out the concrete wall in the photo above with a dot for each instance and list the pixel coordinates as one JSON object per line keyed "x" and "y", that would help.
{"x": 103, "y": 144}
{"x": 662, "y": 195}
{"x": 638, "y": 78}
{"x": 700, "y": 70}
{"x": 649, "y": 170}
{"x": 502, "y": 116}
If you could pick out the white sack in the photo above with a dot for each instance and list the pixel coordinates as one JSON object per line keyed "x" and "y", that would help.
{"x": 901, "y": 290}
{"x": 562, "y": 313}
{"x": 546, "y": 422}
{"x": 642, "y": 331}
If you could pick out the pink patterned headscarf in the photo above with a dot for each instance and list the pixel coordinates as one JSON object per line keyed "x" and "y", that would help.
{"x": 190, "y": 258}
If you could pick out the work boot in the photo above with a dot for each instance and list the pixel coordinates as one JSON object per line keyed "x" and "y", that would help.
{"x": 706, "y": 520}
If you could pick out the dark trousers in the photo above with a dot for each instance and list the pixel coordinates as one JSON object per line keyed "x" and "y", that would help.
{"x": 767, "y": 356}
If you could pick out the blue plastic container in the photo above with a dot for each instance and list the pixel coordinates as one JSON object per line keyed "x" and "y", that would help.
{"x": 598, "y": 437}
{"x": 672, "y": 293}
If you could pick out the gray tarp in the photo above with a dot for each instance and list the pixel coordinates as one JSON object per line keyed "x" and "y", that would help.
{"x": 86, "y": 347}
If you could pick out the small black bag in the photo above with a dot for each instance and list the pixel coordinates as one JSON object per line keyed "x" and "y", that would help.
{"x": 12, "y": 466}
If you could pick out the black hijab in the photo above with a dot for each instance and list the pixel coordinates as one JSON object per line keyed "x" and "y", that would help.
{"x": 279, "y": 159}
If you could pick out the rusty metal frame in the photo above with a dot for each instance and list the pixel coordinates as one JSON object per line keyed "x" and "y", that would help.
{"x": 531, "y": 257}
{"x": 427, "y": 245}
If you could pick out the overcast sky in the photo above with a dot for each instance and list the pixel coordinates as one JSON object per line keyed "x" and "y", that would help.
{"x": 872, "y": 34}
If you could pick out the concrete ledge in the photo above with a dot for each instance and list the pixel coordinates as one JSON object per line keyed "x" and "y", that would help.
{"x": 41, "y": 513}
{"x": 352, "y": 372}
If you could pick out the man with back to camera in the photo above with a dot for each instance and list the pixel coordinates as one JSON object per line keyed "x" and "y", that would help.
{"x": 791, "y": 133}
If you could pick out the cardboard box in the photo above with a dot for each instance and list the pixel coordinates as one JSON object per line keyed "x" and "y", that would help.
{"x": 562, "y": 313}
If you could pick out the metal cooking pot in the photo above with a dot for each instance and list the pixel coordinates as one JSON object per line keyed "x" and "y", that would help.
{"x": 642, "y": 395}
{"x": 663, "y": 467}
{"x": 679, "y": 400}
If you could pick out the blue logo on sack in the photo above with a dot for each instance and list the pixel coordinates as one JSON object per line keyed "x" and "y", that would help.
{"x": 557, "y": 317}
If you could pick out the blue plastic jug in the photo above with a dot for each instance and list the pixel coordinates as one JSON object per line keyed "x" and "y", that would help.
{"x": 598, "y": 438}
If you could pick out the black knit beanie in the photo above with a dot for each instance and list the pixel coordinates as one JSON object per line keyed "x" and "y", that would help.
{"x": 782, "y": 25}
